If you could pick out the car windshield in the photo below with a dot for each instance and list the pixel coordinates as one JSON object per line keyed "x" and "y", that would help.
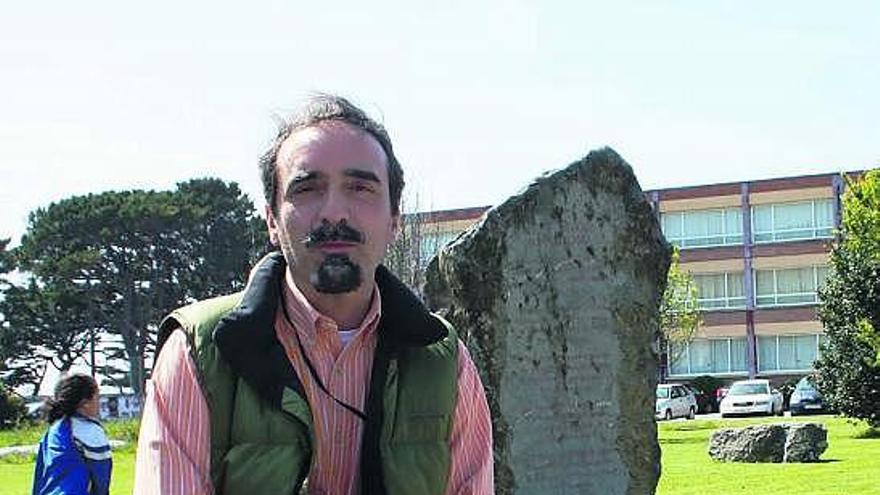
{"x": 663, "y": 393}
{"x": 805, "y": 383}
{"x": 748, "y": 389}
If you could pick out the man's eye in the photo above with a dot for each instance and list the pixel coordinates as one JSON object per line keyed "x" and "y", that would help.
{"x": 304, "y": 188}
{"x": 362, "y": 187}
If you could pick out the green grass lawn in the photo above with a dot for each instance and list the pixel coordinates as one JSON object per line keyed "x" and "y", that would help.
{"x": 16, "y": 478}
{"x": 850, "y": 466}
{"x": 17, "y": 473}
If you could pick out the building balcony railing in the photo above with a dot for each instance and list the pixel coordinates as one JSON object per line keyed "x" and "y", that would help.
{"x": 721, "y": 303}
{"x": 798, "y": 234}
{"x": 708, "y": 241}
{"x": 791, "y": 299}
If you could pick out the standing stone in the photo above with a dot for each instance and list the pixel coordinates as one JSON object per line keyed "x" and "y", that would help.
{"x": 556, "y": 294}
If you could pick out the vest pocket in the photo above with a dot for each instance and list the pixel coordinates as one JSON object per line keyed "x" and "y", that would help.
{"x": 255, "y": 468}
{"x": 422, "y": 428}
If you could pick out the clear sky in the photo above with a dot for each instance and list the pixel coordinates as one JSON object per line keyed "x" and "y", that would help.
{"x": 479, "y": 97}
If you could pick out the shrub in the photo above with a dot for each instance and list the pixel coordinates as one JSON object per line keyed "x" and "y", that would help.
{"x": 706, "y": 384}
{"x": 12, "y": 409}
{"x": 848, "y": 368}
{"x": 123, "y": 429}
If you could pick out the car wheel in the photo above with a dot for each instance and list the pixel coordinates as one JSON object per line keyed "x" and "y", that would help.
{"x": 668, "y": 415}
{"x": 692, "y": 413}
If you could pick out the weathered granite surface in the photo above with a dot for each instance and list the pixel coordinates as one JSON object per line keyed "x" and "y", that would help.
{"x": 805, "y": 442}
{"x": 779, "y": 442}
{"x": 556, "y": 294}
{"x": 759, "y": 443}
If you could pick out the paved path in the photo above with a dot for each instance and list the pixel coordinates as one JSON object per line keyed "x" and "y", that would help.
{"x": 734, "y": 418}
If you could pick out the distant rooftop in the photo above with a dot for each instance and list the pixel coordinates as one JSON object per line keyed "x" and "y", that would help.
{"x": 450, "y": 215}
{"x": 789, "y": 182}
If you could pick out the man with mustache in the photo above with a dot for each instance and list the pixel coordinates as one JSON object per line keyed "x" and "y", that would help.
{"x": 326, "y": 366}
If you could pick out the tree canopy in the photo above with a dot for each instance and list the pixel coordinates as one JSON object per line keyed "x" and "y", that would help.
{"x": 849, "y": 363}
{"x": 18, "y": 366}
{"x": 7, "y": 262}
{"x": 418, "y": 240}
{"x": 119, "y": 261}
{"x": 680, "y": 316}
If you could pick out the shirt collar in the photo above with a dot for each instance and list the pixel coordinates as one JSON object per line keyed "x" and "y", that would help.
{"x": 309, "y": 322}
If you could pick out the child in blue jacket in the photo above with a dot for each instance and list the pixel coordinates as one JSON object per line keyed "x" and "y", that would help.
{"x": 74, "y": 456}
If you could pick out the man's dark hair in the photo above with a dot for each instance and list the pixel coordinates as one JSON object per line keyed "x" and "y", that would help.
{"x": 70, "y": 391}
{"x": 324, "y": 108}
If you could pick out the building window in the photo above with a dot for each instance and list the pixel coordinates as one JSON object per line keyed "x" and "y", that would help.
{"x": 703, "y": 228}
{"x": 793, "y": 221}
{"x": 720, "y": 291}
{"x": 708, "y": 356}
{"x": 790, "y": 286}
{"x": 784, "y": 353}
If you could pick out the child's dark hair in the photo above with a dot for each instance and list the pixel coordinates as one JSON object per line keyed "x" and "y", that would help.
{"x": 70, "y": 391}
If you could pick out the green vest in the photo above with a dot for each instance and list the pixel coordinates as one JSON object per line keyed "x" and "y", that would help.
{"x": 261, "y": 425}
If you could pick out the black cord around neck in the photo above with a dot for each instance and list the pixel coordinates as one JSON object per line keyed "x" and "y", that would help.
{"x": 360, "y": 414}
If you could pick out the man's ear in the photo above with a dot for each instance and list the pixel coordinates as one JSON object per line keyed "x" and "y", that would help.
{"x": 271, "y": 226}
{"x": 396, "y": 225}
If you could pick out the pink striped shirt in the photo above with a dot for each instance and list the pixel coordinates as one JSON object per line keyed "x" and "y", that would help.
{"x": 174, "y": 445}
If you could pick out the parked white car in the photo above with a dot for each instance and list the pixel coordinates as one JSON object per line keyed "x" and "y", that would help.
{"x": 675, "y": 401}
{"x": 751, "y": 397}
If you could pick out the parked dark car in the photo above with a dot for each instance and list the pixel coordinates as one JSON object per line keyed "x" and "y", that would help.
{"x": 705, "y": 402}
{"x": 806, "y": 399}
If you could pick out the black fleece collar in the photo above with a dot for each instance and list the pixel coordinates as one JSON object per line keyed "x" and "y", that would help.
{"x": 246, "y": 336}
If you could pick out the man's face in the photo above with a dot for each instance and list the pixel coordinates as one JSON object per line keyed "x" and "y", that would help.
{"x": 333, "y": 219}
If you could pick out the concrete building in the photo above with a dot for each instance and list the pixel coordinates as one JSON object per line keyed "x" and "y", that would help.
{"x": 438, "y": 228}
{"x": 758, "y": 251}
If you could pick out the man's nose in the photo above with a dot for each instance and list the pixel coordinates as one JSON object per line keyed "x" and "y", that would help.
{"x": 335, "y": 208}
